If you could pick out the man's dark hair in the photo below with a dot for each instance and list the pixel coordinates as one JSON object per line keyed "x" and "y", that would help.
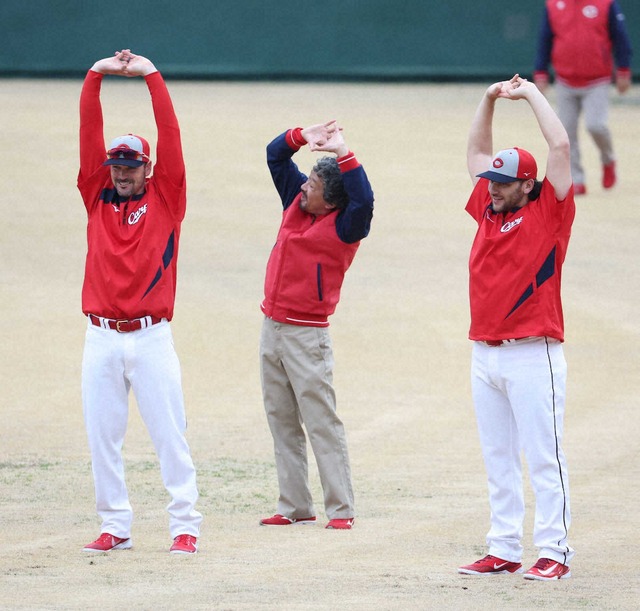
{"x": 328, "y": 171}
{"x": 535, "y": 192}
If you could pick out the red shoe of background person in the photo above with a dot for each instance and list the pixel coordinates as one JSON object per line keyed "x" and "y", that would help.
{"x": 280, "y": 520}
{"x": 579, "y": 189}
{"x": 340, "y": 523}
{"x": 609, "y": 175}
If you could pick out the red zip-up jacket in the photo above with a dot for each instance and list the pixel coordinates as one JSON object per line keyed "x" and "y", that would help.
{"x": 311, "y": 255}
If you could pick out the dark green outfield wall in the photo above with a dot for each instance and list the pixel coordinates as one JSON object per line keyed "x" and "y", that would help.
{"x": 348, "y": 39}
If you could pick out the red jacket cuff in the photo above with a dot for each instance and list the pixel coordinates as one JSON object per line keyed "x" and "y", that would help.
{"x": 623, "y": 72}
{"x": 347, "y": 162}
{"x": 294, "y": 138}
{"x": 541, "y": 76}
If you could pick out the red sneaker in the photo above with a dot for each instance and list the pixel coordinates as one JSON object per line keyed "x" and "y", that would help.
{"x": 106, "y": 542}
{"x": 609, "y": 175}
{"x": 546, "y": 569}
{"x": 340, "y": 523}
{"x": 490, "y": 565}
{"x": 184, "y": 544}
{"x": 579, "y": 189}
{"x": 280, "y": 520}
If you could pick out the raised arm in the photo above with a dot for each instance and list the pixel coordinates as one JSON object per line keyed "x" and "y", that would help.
{"x": 354, "y": 221}
{"x": 480, "y": 140}
{"x": 169, "y": 161}
{"x": 558, "y": 170}
{"x": 92, "y": 148}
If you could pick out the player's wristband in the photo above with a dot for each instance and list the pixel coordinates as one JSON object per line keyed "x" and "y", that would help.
{"x": 294, "y": 138}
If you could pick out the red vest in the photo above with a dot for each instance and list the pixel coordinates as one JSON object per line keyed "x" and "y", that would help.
{"x": 306, "y": 269}
{"x": 581, "y": 52}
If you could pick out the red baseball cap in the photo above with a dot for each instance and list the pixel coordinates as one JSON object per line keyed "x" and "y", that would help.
{"x": 129, "y": 150}
{"x": 510, "y": 165}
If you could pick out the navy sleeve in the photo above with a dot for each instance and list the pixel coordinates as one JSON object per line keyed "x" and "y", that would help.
{"x": 285, "y": 174}
{"x": 545, "y": 43}
{"x": 619, "y": 37}
{"x": 354, "y": 222}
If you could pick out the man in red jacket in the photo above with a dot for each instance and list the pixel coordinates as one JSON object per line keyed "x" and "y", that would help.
{"x": 580, "y": 38}
{"x": 129, "y": 289}
{"x": 325, "y": 216}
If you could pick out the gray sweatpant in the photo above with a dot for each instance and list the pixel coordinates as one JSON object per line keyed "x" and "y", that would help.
{"x": 594, "y": 101}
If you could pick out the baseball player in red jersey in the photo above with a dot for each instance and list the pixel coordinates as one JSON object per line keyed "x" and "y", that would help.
{"x": 518, "y": 370}
{"x": 128, "y": 296}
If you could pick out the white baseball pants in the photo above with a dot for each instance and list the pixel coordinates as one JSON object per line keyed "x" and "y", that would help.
{"x": 519, "y": 395}
{"x": 146, "y": 361}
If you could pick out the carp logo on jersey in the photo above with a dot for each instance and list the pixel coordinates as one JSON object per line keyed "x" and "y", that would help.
{"x": 134, "y": 217}
{"x": 511, "y": 224}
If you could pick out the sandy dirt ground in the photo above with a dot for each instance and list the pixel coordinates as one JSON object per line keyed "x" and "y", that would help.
{"x": 402, "y": 363}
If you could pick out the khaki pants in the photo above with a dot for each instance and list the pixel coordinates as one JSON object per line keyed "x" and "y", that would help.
{"x": 296, "y": 365}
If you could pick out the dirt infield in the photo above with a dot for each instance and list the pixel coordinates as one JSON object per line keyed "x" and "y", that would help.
{"x": 402, "y": 364}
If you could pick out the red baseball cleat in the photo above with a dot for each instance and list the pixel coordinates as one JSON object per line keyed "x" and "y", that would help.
{"x": 579, "y": 189}
{"x": 490, "y": 565}
{"x": 546, "y": 569}
{"x": 106, "y": 542}
{"x": 184, "y": 544}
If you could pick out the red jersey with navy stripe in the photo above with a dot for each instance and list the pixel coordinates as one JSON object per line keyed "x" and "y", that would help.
{"x": 515, "y": 266}
{"x": 130, "y": 268}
